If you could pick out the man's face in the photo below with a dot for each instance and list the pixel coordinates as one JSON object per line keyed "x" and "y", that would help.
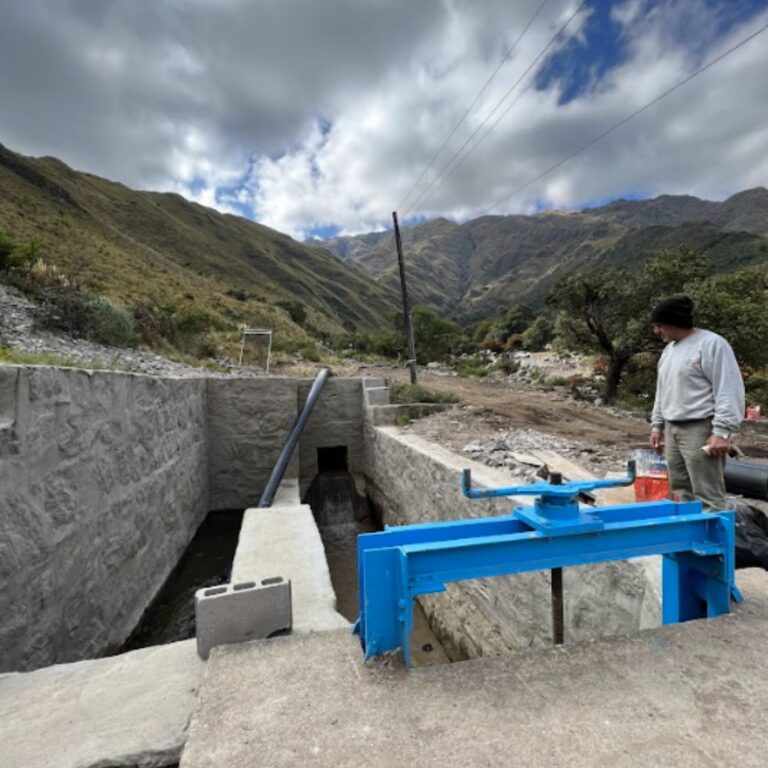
{"x": 667, "y": 332}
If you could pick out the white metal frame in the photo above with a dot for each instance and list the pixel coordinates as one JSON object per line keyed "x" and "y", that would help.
{"x": 256, "y": 332}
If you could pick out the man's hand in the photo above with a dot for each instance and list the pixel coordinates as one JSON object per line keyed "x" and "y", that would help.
{"x": 657, "y": 441}
{"x": 718, "y": 446}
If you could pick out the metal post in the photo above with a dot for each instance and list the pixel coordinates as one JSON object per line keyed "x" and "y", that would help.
{"x": 409, "y": 337}
{"x": 558, "y": 619}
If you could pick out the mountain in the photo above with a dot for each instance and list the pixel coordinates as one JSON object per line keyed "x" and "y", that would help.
{"x": 472, "y": 270}
{"x": 148, "y": 248}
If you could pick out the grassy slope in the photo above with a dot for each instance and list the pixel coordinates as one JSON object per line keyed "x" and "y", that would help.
{"x": 144, "y": 247}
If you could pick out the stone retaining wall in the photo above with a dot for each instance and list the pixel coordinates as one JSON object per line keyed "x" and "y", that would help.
{"x": 414, "y": 481}
{"x": 103, "y": 482}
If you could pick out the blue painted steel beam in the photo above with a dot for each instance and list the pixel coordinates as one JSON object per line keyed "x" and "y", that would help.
{"x": 400, "y": 563}
{"x": 495, "y": 556}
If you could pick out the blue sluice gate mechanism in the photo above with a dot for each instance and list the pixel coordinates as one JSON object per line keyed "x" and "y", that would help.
{"x": 399, "y": 563}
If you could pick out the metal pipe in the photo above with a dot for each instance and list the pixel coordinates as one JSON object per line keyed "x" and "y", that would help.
{"x": 293, "y": 438}
{"x": 747, "y": 479}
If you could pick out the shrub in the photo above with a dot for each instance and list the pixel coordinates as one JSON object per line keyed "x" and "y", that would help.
{"x": 295, "y": 309}
{"x": 506, "y": 365}
{"x": 471, "y": 367}
{"x": 70, "y": 311}
{"x": 310, "y": 352}
{"x": 539, "y": 334}
{"x": 756, "y": 385}
{"x": 154, "y": 323}
{"x": 110, "y": 325}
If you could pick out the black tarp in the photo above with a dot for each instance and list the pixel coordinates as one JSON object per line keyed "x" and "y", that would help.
{"x": 751, "y": 537}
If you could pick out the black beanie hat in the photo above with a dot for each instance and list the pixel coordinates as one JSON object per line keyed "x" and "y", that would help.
{"x": 677, "y": 311}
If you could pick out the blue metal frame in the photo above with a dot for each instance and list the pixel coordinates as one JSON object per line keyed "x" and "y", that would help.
{"x": 397, "y": 564}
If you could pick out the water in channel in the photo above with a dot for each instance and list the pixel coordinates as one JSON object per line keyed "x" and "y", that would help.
{"x": 206, "y": 562}
{"x": 342, "y": 514}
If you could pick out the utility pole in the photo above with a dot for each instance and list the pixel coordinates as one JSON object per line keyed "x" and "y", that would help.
{"x": 408, "y": 320}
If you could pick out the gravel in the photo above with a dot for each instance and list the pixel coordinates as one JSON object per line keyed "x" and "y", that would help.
{"x": 475, "y": 432}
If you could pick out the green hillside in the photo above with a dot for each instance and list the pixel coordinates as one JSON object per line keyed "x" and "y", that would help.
{"x": 145, "y": 250}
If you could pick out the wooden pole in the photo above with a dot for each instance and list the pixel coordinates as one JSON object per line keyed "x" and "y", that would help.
{"x": 410, "y": 339}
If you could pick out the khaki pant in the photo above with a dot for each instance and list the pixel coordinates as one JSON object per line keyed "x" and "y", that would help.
{"x": 692, "y": 474}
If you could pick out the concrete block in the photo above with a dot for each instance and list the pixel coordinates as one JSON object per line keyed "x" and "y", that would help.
{"x": 234, "y": 613}
{"x": 388, "y": 415}
{"x": 376, "y": 395}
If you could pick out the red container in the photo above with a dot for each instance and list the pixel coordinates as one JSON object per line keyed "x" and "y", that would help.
{"x": 651, "y": 487}
{"x": 652, "y": 481}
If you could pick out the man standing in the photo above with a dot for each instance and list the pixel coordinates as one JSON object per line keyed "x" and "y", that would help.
{"x": 699, "y": 404}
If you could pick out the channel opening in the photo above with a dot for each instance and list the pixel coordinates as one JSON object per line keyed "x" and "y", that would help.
{"x": 333, "y": 459}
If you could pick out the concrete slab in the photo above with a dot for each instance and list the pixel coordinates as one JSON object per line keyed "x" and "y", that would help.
{"x": 288, "y": 492}
{"x": 131, "y": 709}
{"x": 284, "y": 541}
{"x": 687, "y": 696}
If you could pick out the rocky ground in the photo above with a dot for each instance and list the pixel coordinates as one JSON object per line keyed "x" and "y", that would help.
{"x": 486, "y": 437}
{"x": 19, "y": 330}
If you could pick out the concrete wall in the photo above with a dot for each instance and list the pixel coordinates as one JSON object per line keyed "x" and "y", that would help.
{"x": 337, "y": 419}
{"x": 414, "y": 481}
{"x": 251, "y": 418}
{"x": 103, "y": 482}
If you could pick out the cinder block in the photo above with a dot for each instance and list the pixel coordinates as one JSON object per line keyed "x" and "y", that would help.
{"x": 248, "y": 610}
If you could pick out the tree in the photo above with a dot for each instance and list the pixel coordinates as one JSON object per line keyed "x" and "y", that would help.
{"x": 736, "y": 306}
{"x": 538, "y": 334}
{"x": 608, "y": 309}
{"x": 514, "y": 320}
{"x": 436, "y": 337}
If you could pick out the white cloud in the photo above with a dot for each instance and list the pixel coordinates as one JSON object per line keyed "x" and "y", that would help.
{"x": 323, "y": 114}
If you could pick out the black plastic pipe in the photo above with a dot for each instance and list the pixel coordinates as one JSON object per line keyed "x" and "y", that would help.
{"x": 268, "y": 496}
{"x": 747, "y": 479}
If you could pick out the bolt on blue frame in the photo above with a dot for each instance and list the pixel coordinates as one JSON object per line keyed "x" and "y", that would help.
{"x": 399, "y": 563}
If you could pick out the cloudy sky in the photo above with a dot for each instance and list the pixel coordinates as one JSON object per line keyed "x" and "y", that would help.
{"x": 317, "y": 117}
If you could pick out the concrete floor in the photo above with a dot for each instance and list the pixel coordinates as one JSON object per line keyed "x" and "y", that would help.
{"x": 688, "y": 695}
{"x": 126, "y": 710}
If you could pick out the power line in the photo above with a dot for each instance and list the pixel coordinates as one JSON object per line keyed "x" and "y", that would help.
{"x": 477, "y": 98}
{"x": 625, "y": 120}
{"x": 484, "y": 136}
{"x": 494, "y": 110}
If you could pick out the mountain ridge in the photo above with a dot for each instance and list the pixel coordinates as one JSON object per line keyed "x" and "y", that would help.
{"x": 471, "y": 270}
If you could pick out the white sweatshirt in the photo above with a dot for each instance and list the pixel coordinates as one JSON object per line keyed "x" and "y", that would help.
{"x": 699, "y": 378}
